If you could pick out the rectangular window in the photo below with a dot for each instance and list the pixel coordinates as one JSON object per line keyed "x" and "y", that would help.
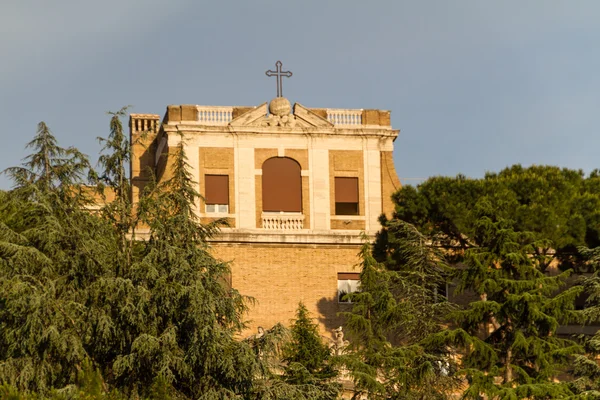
{"x": 348, "y": 282}
{"x": 217, "y": 208}
{"x": 346, "y": 196}
{"x": 216, "y": 193}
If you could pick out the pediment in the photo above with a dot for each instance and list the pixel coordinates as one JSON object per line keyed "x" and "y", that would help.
{"x": 251, "y": 118}
{"x": 308, "y": 118}
{"x": 302, "y": 117}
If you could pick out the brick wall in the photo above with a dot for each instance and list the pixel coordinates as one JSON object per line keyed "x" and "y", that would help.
{"x": 279, "y": 276}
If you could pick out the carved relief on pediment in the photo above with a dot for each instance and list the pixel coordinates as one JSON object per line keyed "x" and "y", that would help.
{"x": 288, "y": 121}
{"x": 278, "y": 114}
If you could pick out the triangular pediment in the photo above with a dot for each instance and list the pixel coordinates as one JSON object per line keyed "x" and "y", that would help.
{"x": 308, "y": 118}
{"x": 252, "y": 117}
{"x": 302, "y": 117}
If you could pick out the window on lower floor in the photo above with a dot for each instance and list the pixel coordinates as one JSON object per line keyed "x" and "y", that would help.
{"x": 346, "y": 196}
{"x": 217, "y": 208}
{"x": 348, "y": 282}
{"x": 216, "y": 193}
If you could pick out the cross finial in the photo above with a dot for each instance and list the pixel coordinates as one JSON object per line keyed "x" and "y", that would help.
{"x": 279, "y": 74}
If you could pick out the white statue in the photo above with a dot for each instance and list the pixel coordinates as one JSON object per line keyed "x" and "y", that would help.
{"x": 338, "y": 344}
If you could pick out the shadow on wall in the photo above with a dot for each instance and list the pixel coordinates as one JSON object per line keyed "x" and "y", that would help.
{"x": 329, "y": 308}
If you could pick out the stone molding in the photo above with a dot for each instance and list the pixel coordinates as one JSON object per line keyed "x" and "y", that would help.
{"x": 298, "y": 130}
{"x": 229, "y": 235}
{"x": 301, "y": 120}
{"x": 304, "y": 236}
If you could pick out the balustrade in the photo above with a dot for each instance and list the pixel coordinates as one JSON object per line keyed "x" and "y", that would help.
{"x": 282, "y": 221}
{"x": 214, "y": 115}
{"x": 344, "y": 117}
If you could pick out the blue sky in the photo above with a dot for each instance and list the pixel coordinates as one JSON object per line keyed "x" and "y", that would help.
{"x": 473, "y": 85}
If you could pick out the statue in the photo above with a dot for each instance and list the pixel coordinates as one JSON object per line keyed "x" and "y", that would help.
{"x": 338, "y": 344}
{"x": 255, "y": 341}
{"x": 260, "y": 334}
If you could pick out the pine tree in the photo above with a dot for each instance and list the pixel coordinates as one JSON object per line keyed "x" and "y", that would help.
{"x": 152, "y": 318}
{"x": 391, "y": 314}
{"x": 307, "y": 357}
{"x": 558, "y": 206}
{"x": 508, "y": 338}
{"x": 423, "y": 272}
{"x": 585, "y": 367}
{"x": 112, "y": 179}
{"x": 174, "y": 318}
{"x": 50, "y": 250}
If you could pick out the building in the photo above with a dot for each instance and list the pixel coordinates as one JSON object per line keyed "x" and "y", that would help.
{"x": 298, "y": 185}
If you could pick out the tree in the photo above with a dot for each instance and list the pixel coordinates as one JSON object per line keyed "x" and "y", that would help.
{"x": 112, "y": 179}
{"x": 391, "y": 315}
{"x": 558, "y": 206}
{"x": 508, "y": 338}
{"x": 185, "y": 331}
{"x": 585, "y": 367}
{"x": 153, "y": 318}
{"x": 50, "y": 251}
{"x": 307, "y": 357}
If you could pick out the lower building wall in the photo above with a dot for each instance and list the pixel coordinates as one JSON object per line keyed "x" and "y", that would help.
{"x": 279, "y": 276}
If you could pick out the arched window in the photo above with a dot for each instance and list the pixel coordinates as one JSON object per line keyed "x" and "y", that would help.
{"x": 281, "y": 185}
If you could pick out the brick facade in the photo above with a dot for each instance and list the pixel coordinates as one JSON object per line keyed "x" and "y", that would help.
{"x": 279, "y": 276}
{"x": 295, "y": 256}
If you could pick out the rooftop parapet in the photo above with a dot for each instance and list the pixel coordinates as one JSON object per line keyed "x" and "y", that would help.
{"x": 139, "y": 123}
{"x": 223, "y": 115}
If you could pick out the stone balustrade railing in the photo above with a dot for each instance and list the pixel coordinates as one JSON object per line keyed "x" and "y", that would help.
{"x": 282, "y": 221}
{"x": 215, "y": 115}
{"x": 344, "y": 117}
{"x": 223, "y": 115}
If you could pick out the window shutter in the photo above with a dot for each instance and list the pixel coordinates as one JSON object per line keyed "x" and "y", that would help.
{"x": 346, "y": 190}
{"x": 216, "y": 189}
{"x": 281, "y": 185}
{"x": 342, "y": 276}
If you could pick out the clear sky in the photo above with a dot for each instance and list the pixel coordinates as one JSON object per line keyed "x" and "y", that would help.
{"x": 473, "y": 85}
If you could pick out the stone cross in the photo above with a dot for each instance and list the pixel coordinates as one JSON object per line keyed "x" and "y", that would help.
{"x": 279, "y": 74}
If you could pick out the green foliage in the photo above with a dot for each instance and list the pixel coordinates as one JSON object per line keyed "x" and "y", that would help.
{"x": 50, "y": 166}
{"x": 501, "y": 233}
{"x": 112, "y": 180}
{"x": 51, "y": 249}
{"x": 173, "y": 319}
{"x": 420, "y": 275}
{"x": 85, "y": 310}
{"x": 508, "y": 338}
{"x": 391, "y": 314}
{"x": 308, "y": 358}
{"x": 585, "y": 367}
{"x": 560, "y": 207}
